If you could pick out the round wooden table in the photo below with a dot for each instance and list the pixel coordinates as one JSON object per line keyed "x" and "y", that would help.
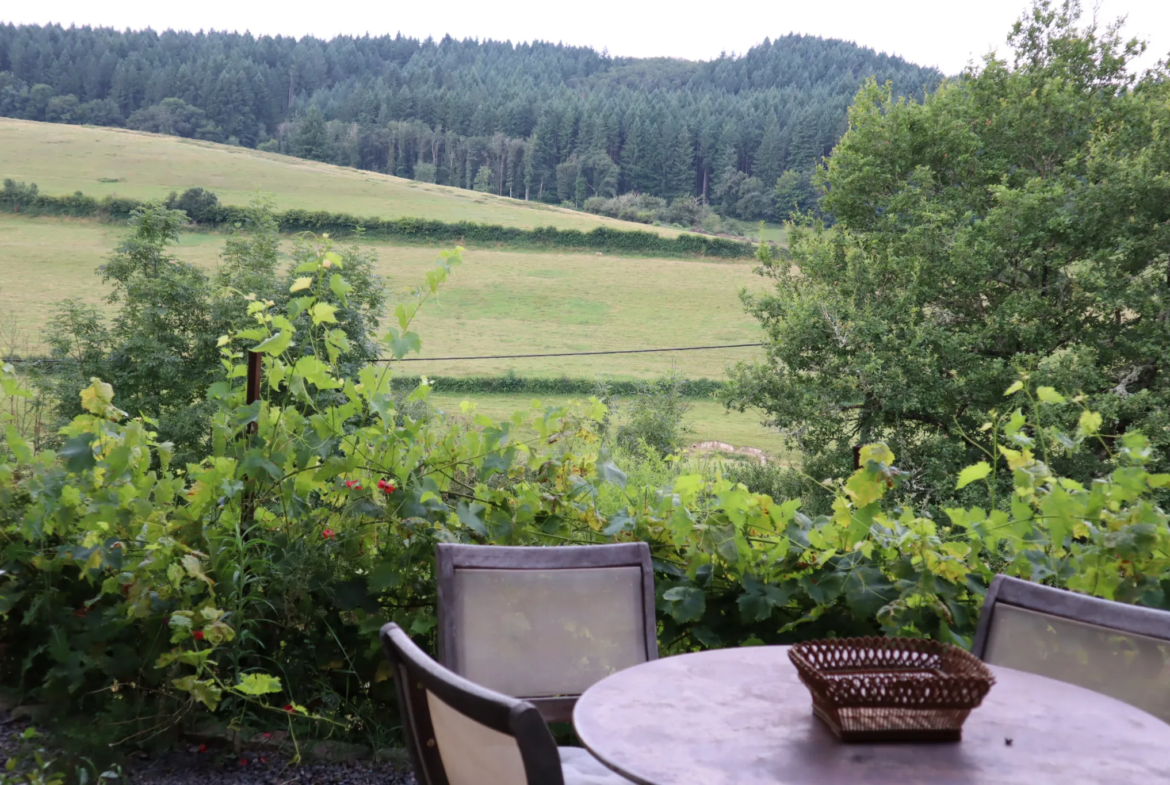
{"x": 742, "y": 717}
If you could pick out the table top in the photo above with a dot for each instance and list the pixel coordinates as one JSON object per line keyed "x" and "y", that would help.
{"x": 743, "y": 717}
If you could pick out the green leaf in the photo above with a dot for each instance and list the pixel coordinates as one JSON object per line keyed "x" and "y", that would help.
{"x": 759, "y": 599}
{"x": 315, "y": 372}
{"x": 1089, "y": 423}
{"x": 17, "y": 443}
{"x": 973, "y": 473}
{"x": 685, "y": 603}
{"x": 878, "y": 452}
{"x": 324, "y": 313}
{"x": 203, "y": 691}
{"x": 619, "y": 522}
{"x": 340, "y": 287}
{"x": 1015, "y": 388}
{"x": 608, "y": 471}
{"x": 274, "y": 344}
{"x": 304, "y": 282}
{"x": 867, "y": 591}
{"x": 423, "y": 624}
{"x": 825, "y": 587}
{"x": 384, "y": 576}
{"x": 404, "y": 344}
{"x": 471, "y": 516}
{"x": 258, "y": 684}
{"x": 78, "y": 453}
{"x": 1049, "y": 395}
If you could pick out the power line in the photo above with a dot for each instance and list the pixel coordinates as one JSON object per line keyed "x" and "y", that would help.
{"x": 572, "y": 354}
{"x": 482, "y": 357}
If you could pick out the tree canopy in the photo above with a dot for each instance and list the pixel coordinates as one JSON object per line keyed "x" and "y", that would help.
{"x": 670, "y": 128}
{"x": 1017, "y": 220}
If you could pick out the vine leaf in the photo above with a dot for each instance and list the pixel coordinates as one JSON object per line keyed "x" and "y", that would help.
{"x": 973, "y": 473}
{"x": 258, "y": 684}
{"x": 685, "y": 603}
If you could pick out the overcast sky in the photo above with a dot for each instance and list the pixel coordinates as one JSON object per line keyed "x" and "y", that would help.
{"x": 942, "y": 33}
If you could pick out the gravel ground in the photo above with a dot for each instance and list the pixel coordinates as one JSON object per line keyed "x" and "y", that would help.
{"x": 221, "y": 765}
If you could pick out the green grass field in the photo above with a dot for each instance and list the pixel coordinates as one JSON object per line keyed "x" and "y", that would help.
{"x": 498, "y": 302}
{"x": 62, "y": 159}
{"x": 707, "y": 420}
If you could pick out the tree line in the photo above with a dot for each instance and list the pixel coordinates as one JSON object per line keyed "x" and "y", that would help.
{"x": 538, "y": 121}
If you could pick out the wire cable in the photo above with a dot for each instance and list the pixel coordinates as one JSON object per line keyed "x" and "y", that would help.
{"x": 572, "y": 354}
{"x": 481, "y": 357}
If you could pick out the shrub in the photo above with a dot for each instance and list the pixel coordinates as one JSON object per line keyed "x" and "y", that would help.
{"x": 198, "y": 204}
{"x": 654, "y": 418}
{"x": 139, "y": 595}
{"x": 410, "y": 229}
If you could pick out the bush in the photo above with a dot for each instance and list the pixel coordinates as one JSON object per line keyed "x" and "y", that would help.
{"x": 653, "y": 419}
{"x": 138, "y": 595}
{"x": 199, "y": 205}
{"x": 410, "y": 229}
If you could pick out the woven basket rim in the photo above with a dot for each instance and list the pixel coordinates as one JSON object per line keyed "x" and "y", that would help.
{"x": 974, "y": 677}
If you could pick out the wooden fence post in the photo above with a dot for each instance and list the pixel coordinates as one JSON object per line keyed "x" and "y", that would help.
{"x": 255, "y": 377}
{"x": 255, "y": 369}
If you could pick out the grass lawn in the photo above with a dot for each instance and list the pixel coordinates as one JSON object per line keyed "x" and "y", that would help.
{"x": 498, "y": 302}
{"x": 63, "y": 158}
{"x": 776, "y": 233}
{"x": 707, "y": 419}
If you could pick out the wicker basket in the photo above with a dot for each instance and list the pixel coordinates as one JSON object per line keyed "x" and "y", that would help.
{"x": 891, "y": 689}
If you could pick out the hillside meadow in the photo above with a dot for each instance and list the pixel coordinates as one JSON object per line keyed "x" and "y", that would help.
{"x": 62, "y": 159}
{"x": 499, "y": 302}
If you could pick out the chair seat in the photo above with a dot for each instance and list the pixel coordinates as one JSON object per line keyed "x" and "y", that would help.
{"x": 581, "y": 768}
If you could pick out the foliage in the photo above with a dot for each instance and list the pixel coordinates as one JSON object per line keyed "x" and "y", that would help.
{"x": 653, "y": 418}
{"x": 175, "y": 117}
{"x": 199, "y": 204}
{"x": 44, "y": 768}
{"x": 19, "y": 194}
{"x": 406, "y": 229}
{"x": 535, "y": 385}
{"x": 552, "y": 123}
{"x": 160, "y": 350}
{"x": 1016, "y": 220}
{"x": 249, "y": 584}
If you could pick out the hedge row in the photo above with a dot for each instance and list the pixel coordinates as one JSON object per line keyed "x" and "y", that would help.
{"x": 497, "y": 385}
{"x": 487, "y": 385}
{"x": 407, "y": 229}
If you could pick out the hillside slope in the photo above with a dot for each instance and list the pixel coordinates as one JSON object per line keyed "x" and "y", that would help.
{"x": 99, "y": 161}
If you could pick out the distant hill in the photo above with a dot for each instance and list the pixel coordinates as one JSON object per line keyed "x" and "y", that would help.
{"x": 551, "y": 122}
{"x": 62, "y": 159}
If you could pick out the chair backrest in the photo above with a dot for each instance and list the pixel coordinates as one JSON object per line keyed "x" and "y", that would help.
{"x": 1113, "y": 648}
{"x": 460, "y": 733}
{"x": 545, "y": 623}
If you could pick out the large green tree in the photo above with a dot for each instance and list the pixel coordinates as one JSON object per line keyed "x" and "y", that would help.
{"x": 1018, "y": 219}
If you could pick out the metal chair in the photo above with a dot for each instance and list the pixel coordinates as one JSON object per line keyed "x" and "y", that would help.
{"x": 545, "y": 623}
{"x": 459, "y": 733}
{"x": 1113, "y": 648}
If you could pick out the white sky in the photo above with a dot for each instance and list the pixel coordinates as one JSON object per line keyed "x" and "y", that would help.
{"x": 943, "y": 33}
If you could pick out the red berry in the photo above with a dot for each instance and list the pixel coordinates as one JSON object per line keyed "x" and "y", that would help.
{"x": 243, "y": 761}
{"x": 288, "y": 707}
{"x": 327, "y": 533}
{"x": 198, "y": 635}
{"x": 203, "y": 748}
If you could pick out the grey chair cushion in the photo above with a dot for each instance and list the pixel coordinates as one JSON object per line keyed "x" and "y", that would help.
{"x": 581, "y": 768}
